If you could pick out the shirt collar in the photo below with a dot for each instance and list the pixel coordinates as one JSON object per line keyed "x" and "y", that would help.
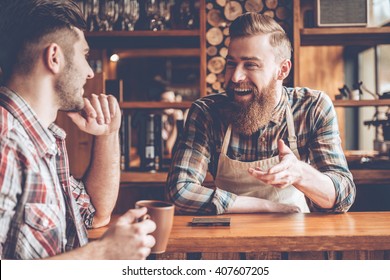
{"x": 43, "y": 138}
{"x": 279, "y": 112}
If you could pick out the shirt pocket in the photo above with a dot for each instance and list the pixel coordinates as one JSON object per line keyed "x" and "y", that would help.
{"x": 42, "y": 217}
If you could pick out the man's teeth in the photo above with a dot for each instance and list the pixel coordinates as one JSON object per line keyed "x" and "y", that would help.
{"x": 241, "y": 91}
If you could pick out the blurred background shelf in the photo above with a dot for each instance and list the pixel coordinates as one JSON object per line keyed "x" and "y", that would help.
{"x": 361, "y": 103}
{"x": 345, "y": 36}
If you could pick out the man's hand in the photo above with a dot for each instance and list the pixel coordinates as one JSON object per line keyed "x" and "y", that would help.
{"x": 127, "y": 238}
{"x": 101, "y": 115}
{"x": 287, "y": 172}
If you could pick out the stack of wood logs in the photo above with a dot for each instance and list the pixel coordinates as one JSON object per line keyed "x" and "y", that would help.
{"x": 219, "y": 15}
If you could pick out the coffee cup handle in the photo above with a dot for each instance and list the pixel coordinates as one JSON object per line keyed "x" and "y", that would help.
{"x": 144, "y": 217}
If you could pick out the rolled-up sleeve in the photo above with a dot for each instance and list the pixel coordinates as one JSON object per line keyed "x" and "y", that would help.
{"x": 327, "y": 156}
{"x": 87, "y": 210}
{"x": 189, "y": 168}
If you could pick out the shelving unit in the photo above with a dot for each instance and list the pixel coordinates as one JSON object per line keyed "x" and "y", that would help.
{"x": 332, "y": 36}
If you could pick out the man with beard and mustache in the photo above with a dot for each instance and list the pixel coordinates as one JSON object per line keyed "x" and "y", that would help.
{"x": 45, "y": 212}
{"x": 269, "y": 148}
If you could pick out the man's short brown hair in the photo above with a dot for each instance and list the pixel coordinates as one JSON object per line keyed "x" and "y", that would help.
{"x": 250, "y": 24}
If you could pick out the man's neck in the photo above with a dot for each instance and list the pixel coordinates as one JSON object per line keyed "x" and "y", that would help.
{"x": 39, "y": 95}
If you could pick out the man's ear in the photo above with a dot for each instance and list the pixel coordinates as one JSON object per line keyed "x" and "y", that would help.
{"x": 284, "y": 70}
{"x": 54, "y": 58}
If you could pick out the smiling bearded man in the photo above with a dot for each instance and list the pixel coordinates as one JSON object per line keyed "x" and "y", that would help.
{"x": 258, "y": 138}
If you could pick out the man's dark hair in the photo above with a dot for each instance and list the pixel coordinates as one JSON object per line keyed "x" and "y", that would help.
{"x": 26, "y": 23}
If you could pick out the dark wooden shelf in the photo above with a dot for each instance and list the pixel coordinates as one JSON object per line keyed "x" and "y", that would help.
{"x": 171, "y": 52}
{"x": 155, "y": 105}
{"x": 146, "y": 179}
{"x": 361, "y": 36}
{"x": 144, "y": 39}
{"x": 371, "y": 176}
{"x": 145, "y": 33}
{"x": 361, "y": 103}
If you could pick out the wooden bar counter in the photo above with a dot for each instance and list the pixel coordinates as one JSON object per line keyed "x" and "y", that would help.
{"x": 353, "y": 235}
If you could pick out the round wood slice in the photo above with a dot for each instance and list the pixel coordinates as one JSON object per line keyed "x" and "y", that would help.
{"x": 214, "y": 18}
{"x": 214, "y": 36}
{"x": 222, "y": 3}
{"x": 212, "y": 51}
{"x": 216, "y": 86}
{"x": 227, "y": 41}
{"x": 233, "y": 9}
{"x": 209, "y": 6}
{"x": 254, "y": 6}
{"x": 216, "y": 64}
{"x": 271, "y": 4}
{"x": 223, "y": 52}
{"x": 269, "y": 13}
{"x": 281, "y": 13}
{"x": 226, "y": 31}
{"x": 211, "y": 78}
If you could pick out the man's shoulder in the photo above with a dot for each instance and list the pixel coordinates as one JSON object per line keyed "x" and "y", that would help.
{"x": 11, "y": 128}
{"x": 305, "y": 95}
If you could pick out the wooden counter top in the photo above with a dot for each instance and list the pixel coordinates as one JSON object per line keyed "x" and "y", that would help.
{"x": 282, "y": 233}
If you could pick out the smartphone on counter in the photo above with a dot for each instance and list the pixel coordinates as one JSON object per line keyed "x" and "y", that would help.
{"x": 198, "y": 221}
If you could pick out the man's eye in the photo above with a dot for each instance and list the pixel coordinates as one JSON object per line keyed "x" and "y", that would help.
{"x": 251, "y": 65}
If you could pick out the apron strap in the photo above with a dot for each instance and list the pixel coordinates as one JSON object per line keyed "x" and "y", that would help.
{"x": 226, "y": 140}
{"x": 292, "y": 138}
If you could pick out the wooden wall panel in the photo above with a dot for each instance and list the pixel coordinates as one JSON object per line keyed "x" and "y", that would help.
{"x": 322, "y": 68}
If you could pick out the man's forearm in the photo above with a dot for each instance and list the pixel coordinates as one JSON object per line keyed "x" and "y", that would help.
{"x": 103, "y": 176}
{"x": 316, "y": 186}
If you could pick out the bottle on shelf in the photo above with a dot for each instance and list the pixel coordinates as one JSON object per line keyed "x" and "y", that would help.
{"x": 151, "y": 143}
{"x": 148, "y": 153}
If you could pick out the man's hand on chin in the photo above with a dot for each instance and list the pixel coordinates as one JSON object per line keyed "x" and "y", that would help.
{"x": 100, "y": 116}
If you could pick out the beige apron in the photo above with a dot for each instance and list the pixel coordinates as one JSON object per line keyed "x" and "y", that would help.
{"x": 233, "y": 176}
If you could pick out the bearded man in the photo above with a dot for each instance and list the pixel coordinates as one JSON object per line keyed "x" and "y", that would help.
{"x": 269, "y": 148}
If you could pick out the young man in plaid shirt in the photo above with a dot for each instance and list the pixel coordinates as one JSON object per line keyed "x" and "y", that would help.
{"x": 44, "y": 211}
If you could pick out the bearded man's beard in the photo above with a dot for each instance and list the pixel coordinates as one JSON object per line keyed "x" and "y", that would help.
{"x": 248, "y": 117}
{"x": 67, "y": 88}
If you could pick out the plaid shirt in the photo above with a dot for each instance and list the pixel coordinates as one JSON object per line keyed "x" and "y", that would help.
{"x": 43, "y": 210}
{"x": 318, "y": 142}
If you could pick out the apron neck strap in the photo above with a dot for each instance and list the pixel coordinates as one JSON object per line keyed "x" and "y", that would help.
{"x": 292, "y": 138}
{"x": 226, "y": 140}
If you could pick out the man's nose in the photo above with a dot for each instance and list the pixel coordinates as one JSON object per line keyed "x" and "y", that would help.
{"x": 90, "y": 73}
{"x": 238, "y": 75}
